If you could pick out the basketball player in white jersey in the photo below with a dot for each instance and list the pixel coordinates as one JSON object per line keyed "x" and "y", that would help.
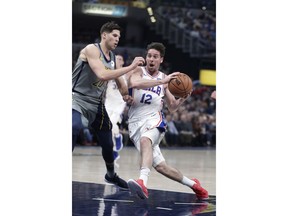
{"x": 115, "y": 106}
{"x": 147, "y": 124}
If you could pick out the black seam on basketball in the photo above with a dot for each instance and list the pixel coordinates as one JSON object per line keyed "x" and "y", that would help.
{"x": 176, "y": 87}
{"x": 185, "y": 88}
{"x": 182, "y": 83}
{"x": 180, "y": 91}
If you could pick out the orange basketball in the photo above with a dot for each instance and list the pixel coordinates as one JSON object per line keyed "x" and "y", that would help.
{"x": 180, "y": 86}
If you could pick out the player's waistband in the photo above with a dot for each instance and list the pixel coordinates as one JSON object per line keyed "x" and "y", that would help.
{"x": 145, "y": 117}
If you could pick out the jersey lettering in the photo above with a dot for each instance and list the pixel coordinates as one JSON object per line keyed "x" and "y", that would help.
{"x": 98, "y": 83}
{"x": 155, "y": 89}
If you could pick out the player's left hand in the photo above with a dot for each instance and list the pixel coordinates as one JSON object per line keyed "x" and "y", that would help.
{"x": 128, "y": 99}
{"x": 181, "y": 100}
{"x": 188, "y": 95}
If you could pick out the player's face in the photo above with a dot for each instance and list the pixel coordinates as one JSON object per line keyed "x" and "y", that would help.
{"x": 112, "y": 39}
{"x": 153, "y": 60}
{"x": 119, "y": 60}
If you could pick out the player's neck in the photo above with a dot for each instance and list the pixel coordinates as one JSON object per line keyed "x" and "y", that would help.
{"x": 104, "y": 49}
{"x": 152, "y": 73}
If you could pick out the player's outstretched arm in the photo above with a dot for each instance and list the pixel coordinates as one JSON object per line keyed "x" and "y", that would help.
{"x": 122, "y": 85}
{"x": 136, "y": 80}
{"x": 92, "y": 55}
{"x": 123, "y": 89}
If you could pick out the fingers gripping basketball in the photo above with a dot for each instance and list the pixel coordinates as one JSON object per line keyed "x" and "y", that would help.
{"x": 180, "y": 86}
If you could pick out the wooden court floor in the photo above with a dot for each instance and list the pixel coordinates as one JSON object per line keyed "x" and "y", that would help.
{"x": 166, "y": 198}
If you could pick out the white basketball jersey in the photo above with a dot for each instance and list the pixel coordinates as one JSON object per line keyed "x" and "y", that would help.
{"x": 114, "y": 101}
{"x": 148, "y": 102}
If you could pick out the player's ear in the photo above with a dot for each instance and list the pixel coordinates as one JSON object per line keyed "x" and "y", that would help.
{"x": 104, "y": 35}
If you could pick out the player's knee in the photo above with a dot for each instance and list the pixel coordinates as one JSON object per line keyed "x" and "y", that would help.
{"x": 105, "y": 140}
{"x": 145, "y": 141}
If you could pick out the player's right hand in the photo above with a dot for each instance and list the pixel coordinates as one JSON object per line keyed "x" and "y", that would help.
{"x": 128, "y": 99}
{"x": 138, "y": 61}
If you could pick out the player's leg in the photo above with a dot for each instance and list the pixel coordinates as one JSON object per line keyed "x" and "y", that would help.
{"x": 76, "y": 126}
{"x": 169, "y": 172}
{"x": 105, "y": 141}
{"x": 103, "y": 131}
{"x": 117, "y": 136}
{"x": 139, "y": 186}
{"x": 174, "y": 174}
{"x": 118, "y": 141}
{"x": 114, "y": 130}
{"x": 88, "y": 136}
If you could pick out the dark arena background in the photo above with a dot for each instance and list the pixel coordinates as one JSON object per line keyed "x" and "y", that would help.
{"x": 188, "y": 30}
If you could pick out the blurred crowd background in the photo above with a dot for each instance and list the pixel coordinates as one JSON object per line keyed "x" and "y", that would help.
{"x": 188, "y": 30}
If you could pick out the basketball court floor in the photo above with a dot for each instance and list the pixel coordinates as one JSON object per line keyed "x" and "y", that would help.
{"x": 93, "y": 196}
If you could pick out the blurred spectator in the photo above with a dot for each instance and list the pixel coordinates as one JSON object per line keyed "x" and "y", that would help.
{"x": 185, "y": 129}
{"x": 172, "y": 134}
{"x": 213, "y": 95}
{"x": 198, "y": 23}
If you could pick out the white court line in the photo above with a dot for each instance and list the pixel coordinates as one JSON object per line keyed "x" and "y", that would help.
{"x": 176, "y": 203}
{"x": 169, "y": 209}
{"x": 111, "y": 200}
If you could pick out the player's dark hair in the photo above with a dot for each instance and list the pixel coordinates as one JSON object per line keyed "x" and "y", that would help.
{"x": 157, "y": 46}
{"x": 109, "y": 27}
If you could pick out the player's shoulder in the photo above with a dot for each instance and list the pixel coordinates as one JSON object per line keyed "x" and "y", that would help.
{"x": 91, "y": 46}
{"x": 138, "y": 70}
{"x": 91, "y": 49}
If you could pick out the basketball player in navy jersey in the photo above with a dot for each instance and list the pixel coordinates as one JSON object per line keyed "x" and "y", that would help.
{"x": 94, "y": 67}
{"x": 147, "y": 125}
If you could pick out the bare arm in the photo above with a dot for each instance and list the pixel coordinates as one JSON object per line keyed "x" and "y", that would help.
{"x": 136, "y": 80}
{"x": 123, "y": 89}
{"x": 122, "y": 85}
{"x": 91, "y": 54}
{"x": 172, "y": 103}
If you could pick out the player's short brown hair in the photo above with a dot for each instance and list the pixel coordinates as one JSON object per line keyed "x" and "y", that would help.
{"x": 109, "y": 27}
{"x": 157, "y": 46}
